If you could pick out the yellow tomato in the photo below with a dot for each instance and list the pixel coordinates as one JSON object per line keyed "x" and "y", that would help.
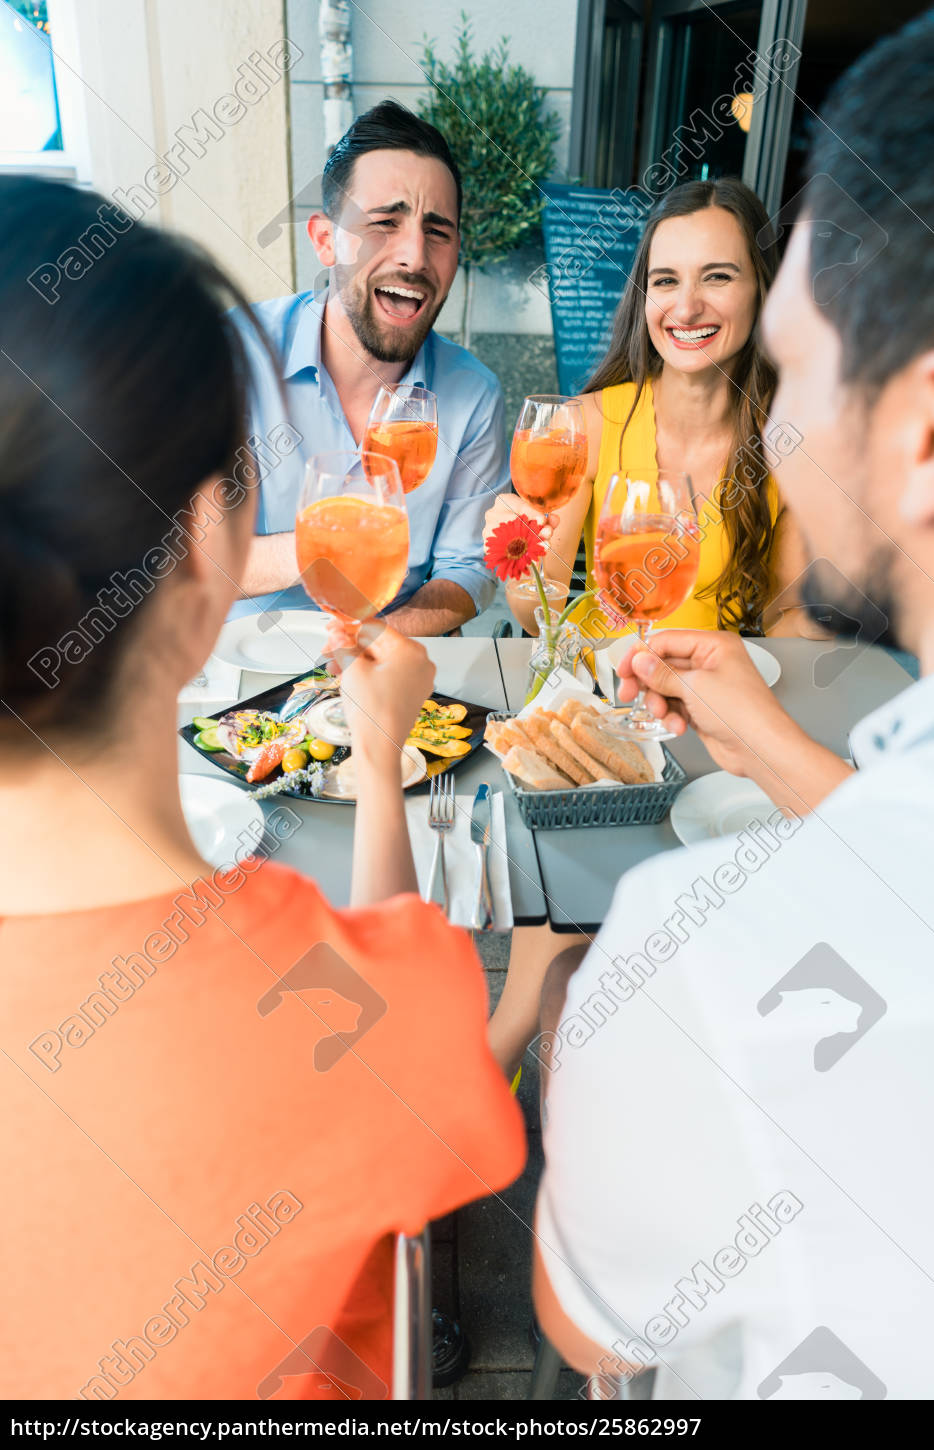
{"x": 319, "y": 749}
{"x": 294, "y": 759}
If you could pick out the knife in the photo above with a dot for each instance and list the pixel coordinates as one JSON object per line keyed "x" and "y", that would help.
{"x": 481, "y": 827}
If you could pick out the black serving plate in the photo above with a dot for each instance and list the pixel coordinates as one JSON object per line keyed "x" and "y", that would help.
{"x": 273, "y": 699}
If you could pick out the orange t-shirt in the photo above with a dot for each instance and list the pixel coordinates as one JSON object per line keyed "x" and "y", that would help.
{"x": 204, "y": 1164}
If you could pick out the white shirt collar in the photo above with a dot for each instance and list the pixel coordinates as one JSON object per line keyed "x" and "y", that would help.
{"x": 897, "y": 726}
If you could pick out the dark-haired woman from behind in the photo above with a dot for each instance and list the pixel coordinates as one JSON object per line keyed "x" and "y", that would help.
{"x": 684, "y": 386}
{"x": 221, "y": 1094}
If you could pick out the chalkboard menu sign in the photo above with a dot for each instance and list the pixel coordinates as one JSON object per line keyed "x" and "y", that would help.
{"x": 591, "y": 237}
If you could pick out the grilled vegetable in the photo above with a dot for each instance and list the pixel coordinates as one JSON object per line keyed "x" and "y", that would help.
{"x": 441, "y": 732}
{"x": 435, "y": 714}
{"x": 451, "y": 713}
{"x": 449, "y": 748}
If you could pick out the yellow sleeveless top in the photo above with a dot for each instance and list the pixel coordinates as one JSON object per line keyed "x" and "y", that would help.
{"x": 619, "y": 452}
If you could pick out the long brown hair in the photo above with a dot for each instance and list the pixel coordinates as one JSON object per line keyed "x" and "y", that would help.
{"x": 744, "y": 588}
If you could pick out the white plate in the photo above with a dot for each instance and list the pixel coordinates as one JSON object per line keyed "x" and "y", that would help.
{"x": 223, "y": 822}
{"x": 719, "y": 804}
{"x": 765, "y": 663}
{"x": 279, "y": 642}
{"x": 607, "y": 659}
{"x": 335, "y": 787}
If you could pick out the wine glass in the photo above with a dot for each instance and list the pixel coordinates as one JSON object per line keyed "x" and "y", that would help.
{"x": 351, "y": 538}
{"x": 549, "y": 452}
{"x": 352, "y": 534}
{"x": 645, "y": 563}
{"x": 403, "y": 425}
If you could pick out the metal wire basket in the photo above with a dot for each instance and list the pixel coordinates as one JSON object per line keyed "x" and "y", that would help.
{"x": 622, "y": 805}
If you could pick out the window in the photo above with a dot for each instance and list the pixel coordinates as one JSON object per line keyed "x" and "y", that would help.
{"x": 42, "y": 121}
{"x": 29, "y": 116}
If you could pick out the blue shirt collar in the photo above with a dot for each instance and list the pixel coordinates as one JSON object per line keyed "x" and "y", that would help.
{"x": 304, "y": 353}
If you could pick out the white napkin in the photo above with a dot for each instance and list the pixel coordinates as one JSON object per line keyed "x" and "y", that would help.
{"x": 561, "y": 686}
{"x": 461, "y": 859}
{"x": 223, "y": 685}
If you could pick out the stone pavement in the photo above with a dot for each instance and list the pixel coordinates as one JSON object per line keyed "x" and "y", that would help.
{"x": 482, "y": 1256}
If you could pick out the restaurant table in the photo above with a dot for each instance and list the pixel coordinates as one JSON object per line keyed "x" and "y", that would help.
{"x": 468, "y": 669}
{"x": 580, "y": 868}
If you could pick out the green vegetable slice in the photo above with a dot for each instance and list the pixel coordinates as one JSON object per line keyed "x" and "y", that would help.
{"x": 209, "y": 740}
{"x": 201, "y": 722}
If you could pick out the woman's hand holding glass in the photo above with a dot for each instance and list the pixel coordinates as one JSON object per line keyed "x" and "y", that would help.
{"x": 385, "y": 678}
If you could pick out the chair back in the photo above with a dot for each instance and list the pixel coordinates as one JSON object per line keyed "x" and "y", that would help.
{"x": 411, "y": 1326}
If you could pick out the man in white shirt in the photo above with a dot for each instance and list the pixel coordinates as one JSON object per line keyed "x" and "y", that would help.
{"x": 738, "y": 1178}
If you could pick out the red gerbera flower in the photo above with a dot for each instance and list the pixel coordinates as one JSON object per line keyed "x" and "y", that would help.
{"x": 514, "y": 547}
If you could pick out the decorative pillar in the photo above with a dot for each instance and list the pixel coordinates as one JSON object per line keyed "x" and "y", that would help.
{"x": 336, "y": 69}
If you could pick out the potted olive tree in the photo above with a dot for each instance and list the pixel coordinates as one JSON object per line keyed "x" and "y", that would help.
{"x": 494, "y": 119}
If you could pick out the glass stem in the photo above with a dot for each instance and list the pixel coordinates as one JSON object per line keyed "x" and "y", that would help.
{"x": 638, "y": 709}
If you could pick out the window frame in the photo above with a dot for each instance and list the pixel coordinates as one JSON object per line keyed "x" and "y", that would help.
{"x": 769, "y": 136}
{"x": 73, "y": 162}
{"x": 586, "y": 92}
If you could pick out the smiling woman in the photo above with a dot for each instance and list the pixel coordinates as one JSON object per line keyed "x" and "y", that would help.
{"x": 685, "y": 373}
{"x": 685, "y": 387}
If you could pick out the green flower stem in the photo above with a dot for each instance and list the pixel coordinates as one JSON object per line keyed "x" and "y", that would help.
{"x": 540, "y": 586}
{"x": 539, "y": 681}
{"x": 569, "y": 608}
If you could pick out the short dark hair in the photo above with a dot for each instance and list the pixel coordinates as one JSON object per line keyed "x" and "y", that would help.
{"x": 871, "y": 178}
{"x": 385, "y": 127}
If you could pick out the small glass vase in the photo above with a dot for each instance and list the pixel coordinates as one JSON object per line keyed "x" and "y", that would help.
{"x": 554, "y": 649}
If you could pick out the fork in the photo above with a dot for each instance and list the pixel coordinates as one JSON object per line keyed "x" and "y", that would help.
{"x": 440, "y": 819}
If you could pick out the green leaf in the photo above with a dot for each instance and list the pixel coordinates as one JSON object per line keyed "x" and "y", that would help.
{"x": 493, "y": 117}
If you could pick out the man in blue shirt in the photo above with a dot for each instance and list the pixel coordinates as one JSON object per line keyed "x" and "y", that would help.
{"x": 388, "y": 235}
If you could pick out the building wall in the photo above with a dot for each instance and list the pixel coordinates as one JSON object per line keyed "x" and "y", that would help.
{"x": 387, "y": 40}
{"x": 147, "y": 71}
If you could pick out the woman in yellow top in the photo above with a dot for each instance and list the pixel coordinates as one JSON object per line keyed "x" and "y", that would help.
{"x": 684, "y": 387}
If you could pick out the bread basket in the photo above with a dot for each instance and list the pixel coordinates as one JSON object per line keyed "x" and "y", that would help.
{"x": 620, "y": 805}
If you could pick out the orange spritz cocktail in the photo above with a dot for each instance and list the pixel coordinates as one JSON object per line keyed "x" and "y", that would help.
{"x": 646, "y": 557}
{"x": 547, "y": 467}
{"x": 413, "y": 445}
{"x": 403, "y": 425}
{"x": 646, "y": 565}
{"x": 353, "y": 554}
